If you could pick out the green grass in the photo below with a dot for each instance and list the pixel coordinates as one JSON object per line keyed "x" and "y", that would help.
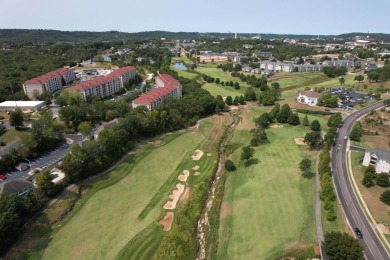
{"x": 271, "y": 206}
{"x": 10, "y": 135}
{"x": 108, "y": 225}
{"x": 104, "y": 225}
{"x": 215, "y": 90}
{"x": 185, "y": 74}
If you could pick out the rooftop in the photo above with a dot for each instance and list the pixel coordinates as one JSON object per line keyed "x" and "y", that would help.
{"x": 312, "y": 94}
{"x": 381, "y": 154}
{"x": 21, "y": 103}
{"x": 14, "y": 186}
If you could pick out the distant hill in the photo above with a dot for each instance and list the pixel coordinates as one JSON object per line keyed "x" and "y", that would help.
{"x": 85, "y": 36}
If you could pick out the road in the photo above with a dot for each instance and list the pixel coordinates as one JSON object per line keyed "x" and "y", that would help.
{"x": 373, "y": 248}
{"x": 45, "y": 160}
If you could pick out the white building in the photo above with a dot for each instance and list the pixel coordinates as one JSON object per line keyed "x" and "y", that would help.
{"x": 308, "y": 97}
{"x": 51, "y": 82}
{"x": 379, "y": 158}
{"x": 26, "y": 106}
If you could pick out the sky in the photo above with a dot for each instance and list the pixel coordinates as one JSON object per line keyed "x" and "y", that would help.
{"x": 315, "y": 17}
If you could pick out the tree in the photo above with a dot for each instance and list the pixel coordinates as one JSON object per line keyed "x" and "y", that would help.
{"x": 293, "y": 119}
{"x": 247, "y": 153}
{"x": 305, "y": 121}
{"x": 313, "y": 139}
{"x": 373, "y": 76}
{"x": 85, "y": 128}
{"x": 16, "y": 118}
{"x": 45, "y": 185}
{"x": 369, "y": 176}
{"x": 250, "y": 94}
{"x": 274, "y": 112}
{"x": 229, "y": 166}
{"x": 259, "y": 137}
{"x": 385, "y": 197}
{"x": 315, "y": 125}
{"x": 356, "y": 132}
{"x": 359, "y": 78}
{"x": 335, "y": 120}
{"x": 383, "y": 179}
{"x": 339, "y": 246}
{"x": 236, "y": 101}
{"x": 229, "y": 100}
{"x": 242, "y": 100}
{"x": 284, "y": 114}
{"x": 27, "y": 145}
{"x": 300, "y": 61}
{"x": 327, "y": 100}
{"x": 342, "y": 80}
{"x": 263, "y": 120}
{"x": 305, "y": 165}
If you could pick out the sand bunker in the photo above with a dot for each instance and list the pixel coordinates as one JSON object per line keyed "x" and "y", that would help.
{"x": 167, "y": 221}
{"x": 174, "y": 196}
{"x": 183, "y": 177}
{"x": 196, "y": 173}
{"x": 185, "y": 196}
{"x": 198, "y": 154}
{"x": 209, "y": 154}
{"x": 196, "y": 167}
{"x": 299, "y": 141}
{"x": 276, "y": 126}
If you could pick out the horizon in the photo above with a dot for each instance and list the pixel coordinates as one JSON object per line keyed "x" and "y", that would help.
{"x": 300, "y": 18}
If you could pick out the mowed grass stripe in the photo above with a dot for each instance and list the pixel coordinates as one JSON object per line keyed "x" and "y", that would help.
{"x": 102, "y": 227}
{"x": 268, "y": 206}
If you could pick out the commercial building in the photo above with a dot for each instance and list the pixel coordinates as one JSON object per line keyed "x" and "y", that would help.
{"x": 308, "y": 97}
{"x": 378, "y": 158}
{"x": 26, "y": 106}
{"x": 339, "y": 63}
{"x": 166, "y": 87}
{"x": 51, "y": 82}
{"x": 263, "y": 54}
{"x": 105, "y": 86}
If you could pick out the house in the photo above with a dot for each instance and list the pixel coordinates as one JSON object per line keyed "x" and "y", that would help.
{"x": 308, "y": 97}
{"x": 105, "y": 86}
{"x": 166, "y": 87}
{"x": 379, "y": 158}
{"x": 368, "y": 67}
{"x": 51, "y": 82}
{"x": 339, "y": 63}
{"x": 26, "y": 106}
{"x": 19, "y": 187}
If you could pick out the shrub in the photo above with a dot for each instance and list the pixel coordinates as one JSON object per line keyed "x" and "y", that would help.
{"x": 229, "y": 166}
{"x": 385, "y": 197}
{"x": 382, "y": 180}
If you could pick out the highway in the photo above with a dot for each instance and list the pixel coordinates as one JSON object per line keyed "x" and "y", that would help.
{"x": 373, "y": 248}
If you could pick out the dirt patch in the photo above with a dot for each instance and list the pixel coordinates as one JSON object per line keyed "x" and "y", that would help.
{"x": 174, "y": 196}
{"x": 226, "y": 209}
{"x": 196, "y": 167}
{"x": 197, "y": 155}
{"x": 167, "y": 221}
{"x": 158, "y": 143}
{"x": 276, "y": 126}
{"x": 196, "y": 173}
{"x": 385, "y": 229}
{"x": 183, "y": 177}
{"x": 376, "y": 141}
{"x": 185, "y": 196}
{"x": 209, "y": 154}
{"x": 299, "y": 141}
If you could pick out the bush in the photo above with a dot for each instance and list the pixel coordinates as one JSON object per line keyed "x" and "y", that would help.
{"x": 315, "y": 125}
{"x": 385, "y": 197}
{"x": 229, "y": 166}
{"x": 382, "y": 180}
{"x": 331, "y": 214}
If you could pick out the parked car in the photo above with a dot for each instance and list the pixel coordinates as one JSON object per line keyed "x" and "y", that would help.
{"x": 2, "y": 177}
{"x": 358, "y": 233}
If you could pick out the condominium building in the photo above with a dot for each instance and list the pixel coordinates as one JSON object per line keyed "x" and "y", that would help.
{"x": 105, "y": 86}
{"x": 166, "y": 87}
{"x": 51, "y": 82}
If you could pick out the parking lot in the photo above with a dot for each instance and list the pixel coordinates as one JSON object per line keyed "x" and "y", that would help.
{"x": 351, "y": 98}
{"x": 44, "y": 161}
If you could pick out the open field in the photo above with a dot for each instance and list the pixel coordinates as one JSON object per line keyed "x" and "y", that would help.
{"x": 268, "y": 208}
{"x": 215, "y": 90}
{"x": 108, "y": 223}
{"x": 371, "y": 195}
{"x": 9, "y": 136}
{"x": 185, "y": 74}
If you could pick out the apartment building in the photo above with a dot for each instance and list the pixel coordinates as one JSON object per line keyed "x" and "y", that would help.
{"x": 105, "y": 86}
{"x": 51, "y": 82}
{"x": 166, "y": 87}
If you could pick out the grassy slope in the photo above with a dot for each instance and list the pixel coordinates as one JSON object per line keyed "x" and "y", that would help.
{"x": 104, "y": 225}
{"x": 108, "y": 225}
{"x": 270, "y": 207}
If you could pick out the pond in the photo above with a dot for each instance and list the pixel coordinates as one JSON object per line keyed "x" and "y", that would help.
{"x": 180, "y": 66}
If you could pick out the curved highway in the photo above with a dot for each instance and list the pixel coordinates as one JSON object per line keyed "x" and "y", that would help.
{"x": 373, "y": 247}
